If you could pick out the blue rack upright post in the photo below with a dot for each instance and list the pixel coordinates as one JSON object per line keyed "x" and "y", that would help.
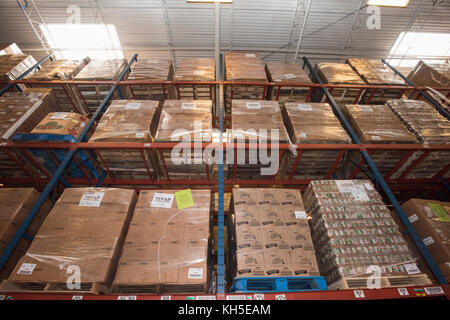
{"x": 379, "y": 177}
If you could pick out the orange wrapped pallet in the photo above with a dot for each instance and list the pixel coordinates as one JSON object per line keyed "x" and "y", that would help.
{"x": 167, "y": 249}
{"x": 15, "y": 203}
{"x": 84, "y": 232}
{"x": 282, "y": 73}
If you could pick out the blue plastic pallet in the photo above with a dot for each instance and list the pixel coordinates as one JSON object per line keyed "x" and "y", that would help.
{"x": 44, "y": 158}
{"x": 279, "y": 284}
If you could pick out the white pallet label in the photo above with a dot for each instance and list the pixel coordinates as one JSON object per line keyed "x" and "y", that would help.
{"x": 26, "y": 268}
{"x": 91, "y": 199}
{"x": 195, "y": 273}
{"x": 359, "y": 294}
{"x": 403, "y": 291}
{"x": 166, "y": 298}
{"x": 250, "y": 55}
{"x": 434, "y": 290}
{"x": 253, "y": 105}
{"x": 133, "y": 106}
{"x": 302, "y": 135}
{"x": 59, "y": 116}
{"x": 140, "y": 134}
{"x": 280, "y": 297}
{"x": 376, "y": 138}
{"x": 304, "y": 107}
{"x": 199, "y": 72}
{"x": 236, "y": 297}
{"x": 411, "y": 268}
{"x": 127, "y": 298}
{"x": 162, "y": 200}
{"x": 77, "y": 298}
{"x": 290, "y": 76}
{"x": 366, "y": 108}
{"x": 300, "y": 215}
{"x": 188, "y": 105}
{"x": 428, "y": 241}
{"x": 205, "y": 298}
{"x": 413, "y": 218}
{"x": 258, "y": 296}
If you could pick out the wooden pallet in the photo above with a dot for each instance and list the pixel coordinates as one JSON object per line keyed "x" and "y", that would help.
{"x": 158, "y": 288}
{"x": 129, "y": 164}
{"x": 195, "y": 92}
{"x": 52, "y": 287}
{"x": 385, "y": 282}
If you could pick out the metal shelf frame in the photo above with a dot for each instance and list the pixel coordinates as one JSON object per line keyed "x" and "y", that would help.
{"x": 52, "y": 180}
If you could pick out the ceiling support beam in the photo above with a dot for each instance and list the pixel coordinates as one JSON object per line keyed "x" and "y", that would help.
{"x": 347, "y": 38}
{"x": 36, "y": 20}
{"x": 302, "y": 31}
{"x": 165, "y": 7}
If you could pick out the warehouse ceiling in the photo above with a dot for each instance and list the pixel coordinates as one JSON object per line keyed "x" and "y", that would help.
{"x": 333, "y": 30}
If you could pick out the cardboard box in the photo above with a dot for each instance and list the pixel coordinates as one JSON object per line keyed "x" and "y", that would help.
{"x": 430, "y": 74}
{"x": 277, "y": 230}
{"x": 195, "y": 69}
{"x": 12, "y": 48}
{"x": 377, "y": 124}
{"x": 430, "y": 219}
{"x": 422, "y": 119}
{"x": 127, "y": 121}
{"x": 15, "y": 204}
{"x": 167, "y": 248}
{"x": 254, "y": 120}
{"x": 352, "y": 229}
{"x": 333, "y": 72}
{"x": 62, "y": 123}
{"x": 373, "y": 71}
{"x": 13, "y": 65}
{"x": 89, "y": 235}
{"x": 21, "y": 112}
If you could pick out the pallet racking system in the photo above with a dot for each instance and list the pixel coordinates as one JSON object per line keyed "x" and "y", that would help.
{"x": 49, "y": 182}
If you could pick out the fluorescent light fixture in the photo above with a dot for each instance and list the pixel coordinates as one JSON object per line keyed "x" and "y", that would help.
{"x": 388, "y": 3}
{"x": 76, "y": 41}
{"x": 209, "y": 1}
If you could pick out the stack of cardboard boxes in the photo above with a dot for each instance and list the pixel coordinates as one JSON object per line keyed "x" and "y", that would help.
{"x": 431, "y": 220}
{"x": 376, "y": 124}
{"x": 15, "y": 204}
{"x": 271, "y": 235}
{"x": 84, "y": 231}
{"x": 338, "y": 73}
{"x": 195, "y": 69}
{"x": 247, "y": 67}
{"x": 373, "y": 71}
{"x": 430, "y": 128}
{"x": 166, "y": 249}
{"x": 13, "y": 65}
{"x": 12, "y": 48}
{"x": 128, "y": 121}
{"x": 187, "y": 121}
{"x": 256, "y": 121}
{"x": 67, "y": 96}
{"x": 151, "y": 70}
{"x": 353, "y": 234}
{"x": 429, "y": 75}
{"x": 312, "y": 123}
{"x": 282, "y": 73}
{"x": 20, "y": 113}
{"x": 101, "y": 70}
